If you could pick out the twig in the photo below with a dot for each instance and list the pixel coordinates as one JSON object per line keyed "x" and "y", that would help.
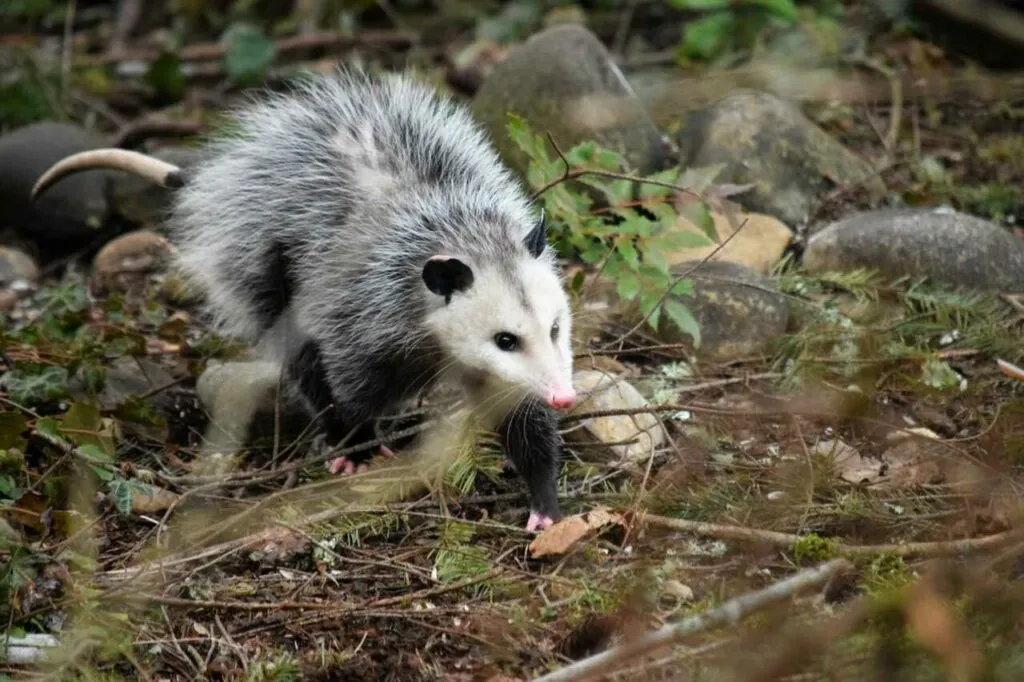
{"x": 677, "y": 280}
{"x": 375, "y": 605}
{"x": 215, "y": 51}
{"x": 728, "y": 614}
{"x": 571, "y": 173}
{"x": 135, "y": 132}
{"x": 786, "y": 540}
{"x": 622, "y": 30}
{"x": 65, "y": 59}
{"x": 674, "y": 407}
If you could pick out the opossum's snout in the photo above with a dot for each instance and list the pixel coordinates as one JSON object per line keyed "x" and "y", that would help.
{"x": 562, "y": 397}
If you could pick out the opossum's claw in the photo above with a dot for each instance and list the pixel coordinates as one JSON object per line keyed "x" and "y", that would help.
{"x": 538, "y": 521}
{"x": 341, "y": 464}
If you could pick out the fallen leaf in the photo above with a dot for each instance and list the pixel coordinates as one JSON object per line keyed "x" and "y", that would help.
{"x": 849, "y": 464}
{"x": 911, "y": 464}
{"x": 562, "y": 536}
{"x": 147, "y": 499}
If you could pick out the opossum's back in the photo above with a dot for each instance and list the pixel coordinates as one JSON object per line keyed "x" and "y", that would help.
{"x": 331, "y": 165}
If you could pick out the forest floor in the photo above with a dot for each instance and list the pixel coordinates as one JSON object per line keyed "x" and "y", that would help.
{"x": 145, "y": 567}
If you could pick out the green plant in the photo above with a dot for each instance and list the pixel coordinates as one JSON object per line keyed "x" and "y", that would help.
{"x": 628, "y": 236}
{"x": 729, "y": 25}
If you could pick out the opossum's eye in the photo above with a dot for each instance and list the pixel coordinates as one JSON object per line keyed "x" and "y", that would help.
{"x": 554, "y": 331}
{"x": 506, "y": 342}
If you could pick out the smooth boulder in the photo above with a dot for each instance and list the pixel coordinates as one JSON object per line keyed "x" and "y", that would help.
{"x": 67, "y": 217}
{"x": 940, "y": 244}
{"x": 563, "y": 81}
{"x": 763, "y": 140}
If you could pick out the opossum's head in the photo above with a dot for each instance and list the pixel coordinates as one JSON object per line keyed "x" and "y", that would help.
{"x": 505, "y": 322}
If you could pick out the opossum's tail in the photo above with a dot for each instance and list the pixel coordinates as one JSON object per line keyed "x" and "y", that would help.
{"x": 160, "y": 172}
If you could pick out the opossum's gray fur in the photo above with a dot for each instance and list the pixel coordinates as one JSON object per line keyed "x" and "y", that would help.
{"x": 309, "y": 225}
{"x": 360, "y": 180}
{"x": 345, "y": 169}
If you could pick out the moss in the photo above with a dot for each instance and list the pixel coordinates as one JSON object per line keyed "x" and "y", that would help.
{"x": 813, "y": 549}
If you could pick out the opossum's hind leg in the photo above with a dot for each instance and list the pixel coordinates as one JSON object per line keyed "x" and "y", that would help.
{"x": 307, "y": 370}
{"x": 271, "y": 286}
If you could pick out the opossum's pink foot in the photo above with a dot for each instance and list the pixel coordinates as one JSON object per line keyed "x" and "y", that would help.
{"x": 346, "y": 466}
{"x": 341, "y": 464}
{"x": 538, "y": 522}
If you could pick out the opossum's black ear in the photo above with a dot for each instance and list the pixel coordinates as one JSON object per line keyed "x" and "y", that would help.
{"x": 538, "y": 237}
{"x": 445, "y": 275}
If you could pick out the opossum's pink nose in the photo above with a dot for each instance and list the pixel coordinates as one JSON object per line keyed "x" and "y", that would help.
{"x": 562, "y": 397}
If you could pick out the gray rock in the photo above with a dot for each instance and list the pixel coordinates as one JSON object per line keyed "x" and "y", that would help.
{"x": 129, "y": 377}
{"x": 738, "y": 311}
{"x": 67, "y": 216}
{"x": 142, "y": 201}
{"x": 17, "y": 266}
{"x": 763, "y": 140}
{"x": 563, "y": 81}
{"x": 121, "y": 265}
{"x": 943, "y": 245}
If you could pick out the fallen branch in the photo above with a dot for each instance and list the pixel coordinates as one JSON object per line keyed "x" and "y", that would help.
{"x": 787, "y": 540}
{"x": 201, "y": 52}
{"x": 729, "y": 613}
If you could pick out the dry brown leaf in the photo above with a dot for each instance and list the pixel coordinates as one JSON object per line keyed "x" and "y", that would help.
{"x": 911, "y": 464}
{"x": 149, "y": 499}
{"x": 562, "y": 536}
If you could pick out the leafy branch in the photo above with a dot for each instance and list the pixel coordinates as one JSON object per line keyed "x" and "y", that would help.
{"x": 628, "y": 237}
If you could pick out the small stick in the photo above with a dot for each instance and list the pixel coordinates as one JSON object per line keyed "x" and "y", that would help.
{"x": 786, "y": 540}
{"x": 728, "y": 614}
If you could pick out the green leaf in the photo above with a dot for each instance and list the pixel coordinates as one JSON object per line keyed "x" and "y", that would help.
{"x": 121, "y": 491}
{"x": 247, "y": 53}
{"x": 683, "y": 287}
{"x": 699, "y": 178}
{"x": 628, "y": 285}
{"x": 677, "y": 240}
{"x": 609, "y": 159}
{"x": 28, "y": 387}
{"x": 628, "y": 252}
{"x": 95, "y": 452}
{"x": 649, "y": 300}
{"x": 669, "y": 176}
{"x": 583, "y": 154}
{"x": 697, "y": 212}
{"x": 102, "y": 473}
{"x": 9, "y": 489}
{"x": 782, "y": 9}
{"x": 577, "y": 281}
{"x": 530, "y": 143}
{"x": 166, "y": 77}
{"x": 12, "y": 425}
{"x": 680, "y": 315}
{"x": 705, "y": 38}
{"x": 83, "y": 425}
{"x": 48, "y": 426}
{"x": 635, "y": 225}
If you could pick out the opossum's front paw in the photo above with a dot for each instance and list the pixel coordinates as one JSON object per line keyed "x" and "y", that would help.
{"x": 345, "y": 465}
{"x": 538, "y": 521}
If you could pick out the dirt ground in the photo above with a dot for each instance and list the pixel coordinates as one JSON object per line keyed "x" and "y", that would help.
{"x": 146, "y": 566}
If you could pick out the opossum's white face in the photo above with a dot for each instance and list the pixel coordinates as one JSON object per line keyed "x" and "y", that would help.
{"x": 508, "y": 333}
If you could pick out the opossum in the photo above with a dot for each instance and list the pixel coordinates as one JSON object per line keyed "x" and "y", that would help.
{"x": 370, "y": 218}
